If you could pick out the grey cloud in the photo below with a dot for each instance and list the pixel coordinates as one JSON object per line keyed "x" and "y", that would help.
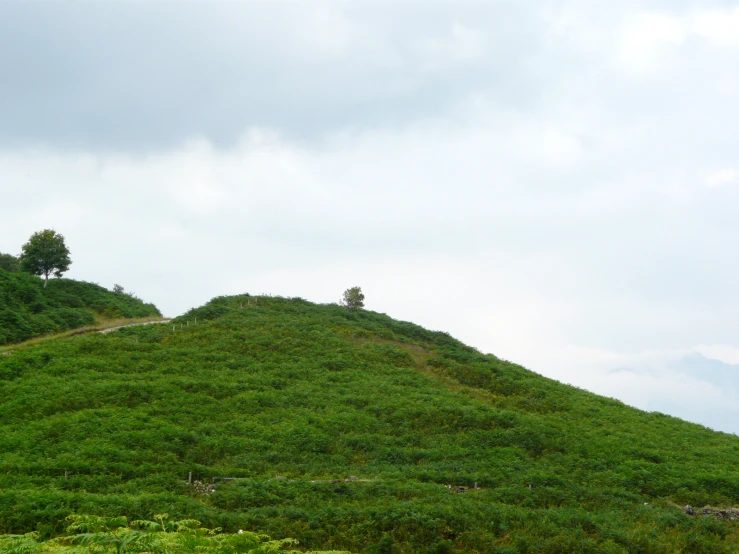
{"x": 143, "y": 75}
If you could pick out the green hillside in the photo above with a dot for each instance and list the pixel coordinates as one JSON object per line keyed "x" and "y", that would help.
{"x": 28, "y": 310}
{"x": 346, "y": 430}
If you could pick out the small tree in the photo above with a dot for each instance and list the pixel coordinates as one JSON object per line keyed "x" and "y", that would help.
{"x": 45, "y": 254}
{"x": 9, "y": 262}
{"x": 353, "y": 299}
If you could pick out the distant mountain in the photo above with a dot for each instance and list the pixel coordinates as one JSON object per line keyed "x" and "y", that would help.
{"x": 28, "y": 310}
{"x": 693, "y": 387}
{"x": 705, "y": 369}
{"x": 347, "y": 430}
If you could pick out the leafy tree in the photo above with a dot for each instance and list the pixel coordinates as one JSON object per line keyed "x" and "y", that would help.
{"x": 45, "y": 254}
{"x": 353, "y": 298}
{"x": 8, "y": 262}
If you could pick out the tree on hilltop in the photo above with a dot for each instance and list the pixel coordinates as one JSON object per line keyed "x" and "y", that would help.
{"x": 8, "y": 262}
{"x": 45, "y": 254}
{"x": 353, "y": 299}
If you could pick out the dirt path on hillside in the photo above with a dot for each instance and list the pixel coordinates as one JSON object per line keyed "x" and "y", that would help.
{"x": 105, "y": 331}
{"x": 6, "y": 350}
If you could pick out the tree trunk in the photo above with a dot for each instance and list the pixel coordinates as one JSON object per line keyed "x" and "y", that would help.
{"x": 46, "y": 281}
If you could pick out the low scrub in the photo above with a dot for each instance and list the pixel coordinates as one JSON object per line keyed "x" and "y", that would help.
{"x": 346, "y": 430}
{"x": 28, "y": 310}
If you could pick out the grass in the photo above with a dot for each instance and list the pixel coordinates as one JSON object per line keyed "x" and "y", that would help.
{"x": 342, "y": 430}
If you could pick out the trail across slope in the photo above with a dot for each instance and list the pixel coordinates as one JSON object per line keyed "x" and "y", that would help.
{"x": 111, "y": 329}
{"x": 103, "y": 326}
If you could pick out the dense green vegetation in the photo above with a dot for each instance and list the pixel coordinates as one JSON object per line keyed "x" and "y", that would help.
{"x": 29, "y": 310}
{"x": 342, "y": 429}
{"x": 95, "y": 535}
{"x": 8, "y": 262}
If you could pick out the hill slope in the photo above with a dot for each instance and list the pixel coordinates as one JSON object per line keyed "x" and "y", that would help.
{"x": 28, "y": 310}
{"x": 342, "y": 430}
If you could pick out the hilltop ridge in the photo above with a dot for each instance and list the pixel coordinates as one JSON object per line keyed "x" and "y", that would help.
{"x": 347, "y": 430}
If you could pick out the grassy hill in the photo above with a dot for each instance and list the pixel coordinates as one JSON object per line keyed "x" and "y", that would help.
{"x": 28, "y": 310}
{"x": 347, "y": 430}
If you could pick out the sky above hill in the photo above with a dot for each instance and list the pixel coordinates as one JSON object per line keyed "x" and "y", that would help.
{"x": 553, "y": 182}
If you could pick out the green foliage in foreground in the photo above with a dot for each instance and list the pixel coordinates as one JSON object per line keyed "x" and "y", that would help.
{"x": 342, "y": 429}
{"x": 97, "y": 535}
{"x": 28, "y": 310}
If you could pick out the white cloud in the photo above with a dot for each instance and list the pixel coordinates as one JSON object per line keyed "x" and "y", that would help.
{"x": 722, "y": 177}
{"x": 643, "y": 40}
{"x": 719, "y": 26}
{"x": 649, "y": 42}
{"x": 460, "y": 44}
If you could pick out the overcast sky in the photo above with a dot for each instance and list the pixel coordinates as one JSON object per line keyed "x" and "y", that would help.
{"x": 554, "y": 182}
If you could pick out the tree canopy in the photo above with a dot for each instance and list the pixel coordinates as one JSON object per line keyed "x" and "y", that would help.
{"x": 353, "y": 298}
{"x": 45, "y": 254}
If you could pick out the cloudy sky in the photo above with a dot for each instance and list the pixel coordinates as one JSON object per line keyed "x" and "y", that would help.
{"x": 553, "y": 182}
